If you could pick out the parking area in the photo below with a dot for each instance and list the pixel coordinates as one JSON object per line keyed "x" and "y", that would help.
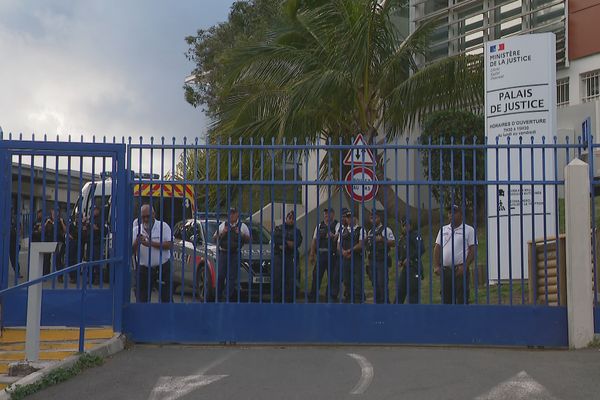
{"x": 195, "y": 372}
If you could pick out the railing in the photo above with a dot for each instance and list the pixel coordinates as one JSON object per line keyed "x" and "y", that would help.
{"x": 74, "y": 268}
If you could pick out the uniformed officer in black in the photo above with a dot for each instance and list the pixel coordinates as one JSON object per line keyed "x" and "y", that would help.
{"x": 230, "y": 237}
{"x": 325, "y": 243}
{"x": 350, "y": 244}
{"x": 286, "y": 242}
{"x": 380, "y": 240}
{"x": 410, "y": 250}
{"x": 14, "y": 244}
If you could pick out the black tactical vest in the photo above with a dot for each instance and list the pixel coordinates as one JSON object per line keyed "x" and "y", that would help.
{"x": 380, "y": 247}
{"x": 349, "y": 237}
{"x": 324, "y": 229}
{"x": 231, "y": 241}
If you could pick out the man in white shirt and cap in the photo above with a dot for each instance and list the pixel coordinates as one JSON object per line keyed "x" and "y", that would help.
{"x": 152, "y": 243}
{"x": 453, "y": 254}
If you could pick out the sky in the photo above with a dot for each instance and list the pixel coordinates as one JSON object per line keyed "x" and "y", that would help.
{"x": 111, "y": 68}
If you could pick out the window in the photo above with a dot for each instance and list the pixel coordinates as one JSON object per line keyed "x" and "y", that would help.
{"x": 562, "y": 92}
{"x": 591, "y": 86}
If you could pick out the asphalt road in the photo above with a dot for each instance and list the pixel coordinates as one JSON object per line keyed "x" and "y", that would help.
{"x": 195, "y": 372}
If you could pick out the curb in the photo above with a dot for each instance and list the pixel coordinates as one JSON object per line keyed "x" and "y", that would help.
{"x": 108, "y": 348}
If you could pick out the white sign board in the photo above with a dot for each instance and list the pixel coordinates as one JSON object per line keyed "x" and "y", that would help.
{"x": 520, "y": 87}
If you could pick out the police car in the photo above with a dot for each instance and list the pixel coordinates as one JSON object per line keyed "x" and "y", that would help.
{"x": 195, "y": 254}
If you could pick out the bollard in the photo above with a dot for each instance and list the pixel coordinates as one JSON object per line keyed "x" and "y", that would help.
{"x": 34, "y": 299}
{"x": 580, "y": 296}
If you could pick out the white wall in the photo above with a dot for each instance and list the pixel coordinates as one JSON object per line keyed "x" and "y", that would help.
{"x": 574, "y": 71}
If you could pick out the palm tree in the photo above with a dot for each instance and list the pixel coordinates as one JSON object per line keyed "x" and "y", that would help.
{"x": 332, "y": 68}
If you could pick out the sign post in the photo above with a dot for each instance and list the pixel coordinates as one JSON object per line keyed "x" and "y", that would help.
{"x": 520, "y": 87}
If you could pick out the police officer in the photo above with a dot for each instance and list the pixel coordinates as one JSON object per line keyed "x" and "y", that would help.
{"x": 325, "y": 242}
{"x": 380, "y": 240}
{"x": 36, "y": 232}
{"x": 230, "y": 237}
{"x": 15, "y": 245}
{"x": 350, "y": 244}
{"x": 287, "y": 240}
{"x": 76, "y": 243}
{"x": 410, "y": 250}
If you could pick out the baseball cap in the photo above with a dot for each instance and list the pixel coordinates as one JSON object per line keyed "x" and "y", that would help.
{"x": 345, "y": 212}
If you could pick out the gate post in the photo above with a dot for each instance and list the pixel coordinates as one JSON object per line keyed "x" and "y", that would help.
{"x": 5, "y": 200}
{"x": 121, "y": 232}
{"x": 580, "y": 298}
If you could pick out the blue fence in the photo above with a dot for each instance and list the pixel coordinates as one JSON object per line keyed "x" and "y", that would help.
{"x": 254, "y": 232}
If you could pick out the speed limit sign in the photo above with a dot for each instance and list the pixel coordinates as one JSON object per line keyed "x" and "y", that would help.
{"x": 362, "y": 184}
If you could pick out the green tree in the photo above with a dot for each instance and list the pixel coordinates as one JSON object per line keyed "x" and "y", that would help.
{"x": 454, "y": 127}
{"x": 247, "y": 22}
{"x": 328, "y": 69}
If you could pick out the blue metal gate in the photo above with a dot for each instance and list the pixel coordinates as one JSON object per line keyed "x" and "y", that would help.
{"x": 54, "y": 188}
{"x": 260, "y": 291}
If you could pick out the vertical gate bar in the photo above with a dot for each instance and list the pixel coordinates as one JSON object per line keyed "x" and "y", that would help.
{"x": 68, "y": 242}
{"x": 522, "y": 235}
{"x": 397, "y": 218}
{"x": 452, "y": 203}
{"x": 185, "y": 177}
{"x": 80, "y": 221}
{"x": 330, "y": 259}
{"x": 308, "y": 235}
{"x": 510, "y": 271}
{"x": 262, "y": 207}
{"x": 273, "y": 155}
{"x": 386, "y": 249}
{"x": 207, "y": 292}
{"x": 137, "y": 211}
{"x": 556, "y": 220}
{"x": 430, "y": 218}
{"x": 441, "y": 198}
{"x": 151, "y": 203}
{"x": 498, "y": 221}
{"x": 338, "y": 246}
{"x": 544, "y": 217}
{"x": 487, "y": 218}
{"x": 127, "y": 264}
{"x": 475, "y": 225}
{"x": 407, "y": 216}
{"x": 419, "y": 238}
{"x": 195, "y": 271}
{"x": 465, "y": 275}
{"x": 18, "y": 222}
{"x": 534, "y": 247}
{"x": 239, "y": 206}
{"x": 296, "y": 238}
{"x": 121, "y": 207}
{"x": 251, "y": 211}
{"x": 55, "y": 230}
{"x": 91, "y": 246}
{"x": 315, "y": 285}
{"x": 283, "y": 231}
{"x": 183, "y": 213}
{"x": 591, "y": 146}
{"x": 103, "y": 242}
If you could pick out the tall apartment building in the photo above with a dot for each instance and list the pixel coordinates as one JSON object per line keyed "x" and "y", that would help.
{"x": 464, "y": 26}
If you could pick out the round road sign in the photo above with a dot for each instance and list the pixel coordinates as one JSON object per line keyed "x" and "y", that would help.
{"x": 362, "y": 184}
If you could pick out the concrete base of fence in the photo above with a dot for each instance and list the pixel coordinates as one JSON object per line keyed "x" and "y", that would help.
{"x": 580, "y": 297}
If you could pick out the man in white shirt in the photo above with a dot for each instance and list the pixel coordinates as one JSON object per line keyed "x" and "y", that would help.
{"x": 453, "y": 254}
{"x": 152, "y": 243}
{"x": 231, "y": 236}
{"x": 325, "y": 243}
{"x": 350, "y": 244}
{"x": 380, "y": 240}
